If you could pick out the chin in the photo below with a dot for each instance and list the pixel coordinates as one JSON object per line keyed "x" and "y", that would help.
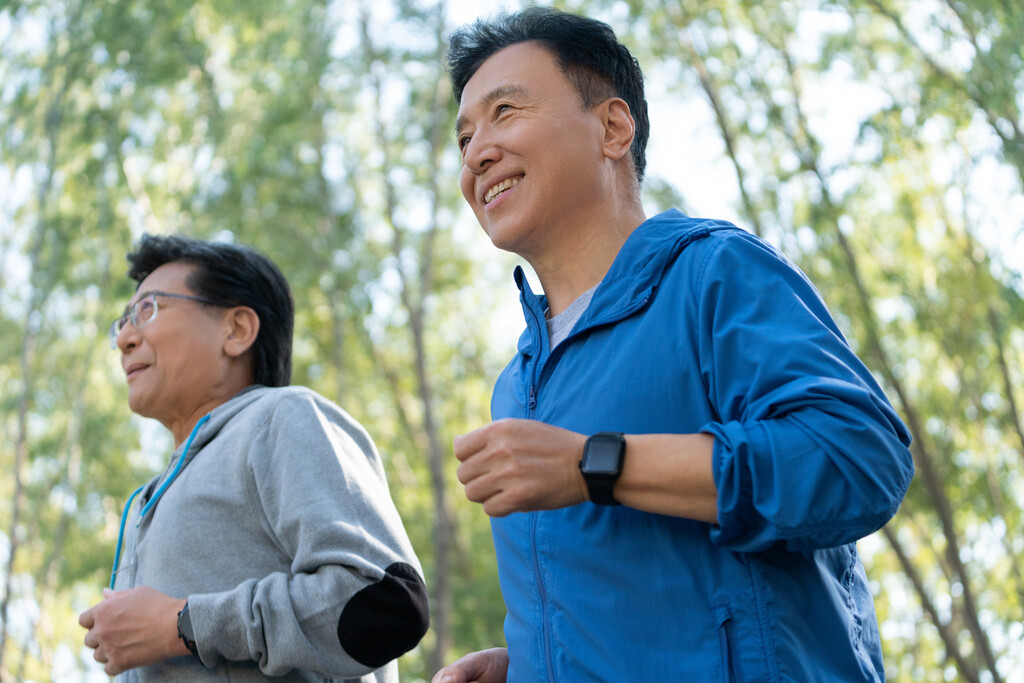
{"x": 505, "y": 238}
{"x": 138, "y": 410}
{"x": 137, "y": 404}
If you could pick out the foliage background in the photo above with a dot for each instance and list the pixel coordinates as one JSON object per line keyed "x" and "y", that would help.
{"x": 878, "y": 142}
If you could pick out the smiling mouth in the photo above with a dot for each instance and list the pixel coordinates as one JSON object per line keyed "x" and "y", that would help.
{"x": 504, "y": 185}
{"x": 134, "y": 370}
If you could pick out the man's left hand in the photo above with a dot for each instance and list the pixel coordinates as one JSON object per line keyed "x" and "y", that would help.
{"x": 133, "y": 628}
{"x": 514, "y": 465}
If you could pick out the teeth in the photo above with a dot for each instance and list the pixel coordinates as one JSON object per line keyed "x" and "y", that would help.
{"x": 499, "y": 188}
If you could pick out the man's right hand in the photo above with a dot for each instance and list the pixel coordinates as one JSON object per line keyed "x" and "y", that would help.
{"x": 517, "y": 465}
{"x": 134, "y": 627}
{"x": 486, "y": 666}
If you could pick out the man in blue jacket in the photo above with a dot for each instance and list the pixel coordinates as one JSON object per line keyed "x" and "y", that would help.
{"x": 684, "y": 449}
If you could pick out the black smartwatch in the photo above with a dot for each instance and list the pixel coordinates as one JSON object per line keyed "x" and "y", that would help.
{"x": 601, "y": 465}
{"x": 185, "y": 632}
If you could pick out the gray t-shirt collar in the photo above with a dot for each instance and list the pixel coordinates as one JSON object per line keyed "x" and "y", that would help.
{"x": 560, "y": 326}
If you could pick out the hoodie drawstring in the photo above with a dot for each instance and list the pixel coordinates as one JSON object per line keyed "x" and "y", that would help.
{"x": 152, "y": 501}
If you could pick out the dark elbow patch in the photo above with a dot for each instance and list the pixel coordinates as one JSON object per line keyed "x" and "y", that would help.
{"x": 385, "y": 620}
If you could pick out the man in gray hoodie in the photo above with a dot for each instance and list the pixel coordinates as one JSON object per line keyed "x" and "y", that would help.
{"x": 270, "y": 545}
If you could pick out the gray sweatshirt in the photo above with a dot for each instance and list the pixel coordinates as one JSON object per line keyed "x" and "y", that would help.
{"x": 281, "y": 532}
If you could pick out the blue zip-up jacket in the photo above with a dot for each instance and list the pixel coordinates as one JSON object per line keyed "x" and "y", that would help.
{"x": 701, "y": 327}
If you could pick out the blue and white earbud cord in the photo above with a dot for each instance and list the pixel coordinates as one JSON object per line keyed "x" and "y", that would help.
{"x": 152, "y": 501}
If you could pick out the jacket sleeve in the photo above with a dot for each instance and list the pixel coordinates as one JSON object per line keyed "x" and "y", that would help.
{"x": 354, "y": 598}
{"x": 808, "y": 451}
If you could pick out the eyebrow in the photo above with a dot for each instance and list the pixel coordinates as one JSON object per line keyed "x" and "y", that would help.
{"x": 139, "y": 296}
{"x": 496, "y": 94}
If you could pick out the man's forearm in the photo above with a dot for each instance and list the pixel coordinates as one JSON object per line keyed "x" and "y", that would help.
{"x": 669, "y": 474}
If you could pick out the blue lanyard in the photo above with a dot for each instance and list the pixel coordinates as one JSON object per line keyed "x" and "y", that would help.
{"x": 152, "y": 501}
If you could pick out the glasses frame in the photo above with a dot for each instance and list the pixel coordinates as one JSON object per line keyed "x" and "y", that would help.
{"x": 131, "y": 312}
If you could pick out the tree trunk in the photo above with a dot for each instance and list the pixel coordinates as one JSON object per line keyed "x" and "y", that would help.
{"x": 724, "y": 128}
{"x": 808, "y": 150}
{"x": 945, "y": 632}
{"x": 414, "y": 292}
{"x": 39, "y": 288}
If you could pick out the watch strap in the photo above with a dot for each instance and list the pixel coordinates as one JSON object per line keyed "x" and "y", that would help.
{"x": 601, "y": 490}
{"x": 185, "y": 631}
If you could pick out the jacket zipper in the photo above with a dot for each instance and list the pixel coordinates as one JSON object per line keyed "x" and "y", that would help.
{"x": 531, "y": 404}
{"x": 543, "y": 594}
{"x": 531, "y": 411}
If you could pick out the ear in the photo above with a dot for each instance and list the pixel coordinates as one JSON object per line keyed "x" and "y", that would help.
{"x": 242, "y": 327}
{"x": 619, "y": 128}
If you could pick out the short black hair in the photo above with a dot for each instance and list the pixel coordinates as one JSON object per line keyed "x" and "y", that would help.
{"x": 586, "y": 50}
{"x": 233, "y": 275}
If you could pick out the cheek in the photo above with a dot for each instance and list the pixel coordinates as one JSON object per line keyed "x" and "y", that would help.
{"x": 466, "y": 184}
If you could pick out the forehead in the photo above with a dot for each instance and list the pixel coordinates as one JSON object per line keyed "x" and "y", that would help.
{"x": 170, "y": 277}
{"x": 526, "y": 68}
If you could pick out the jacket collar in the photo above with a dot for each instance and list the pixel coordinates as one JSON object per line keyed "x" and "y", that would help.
{"x": 632, "y": 279}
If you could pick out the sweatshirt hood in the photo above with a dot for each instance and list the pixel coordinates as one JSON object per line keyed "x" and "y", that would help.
{"x": 204, "y": 432}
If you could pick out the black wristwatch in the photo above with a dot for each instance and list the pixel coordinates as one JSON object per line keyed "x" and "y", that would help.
{"x": 601, "y": 465}
{"x": 185, "y": 632}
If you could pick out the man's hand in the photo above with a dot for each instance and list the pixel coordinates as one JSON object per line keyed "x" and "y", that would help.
{"x": 133, "y": 628}
{"x": 520, "y": 465}
{"x": 486, "y": 666}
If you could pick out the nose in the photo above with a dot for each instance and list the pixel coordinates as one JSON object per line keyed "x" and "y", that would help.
{"x": 127, "y": 337}
{"x": 481, "y": 151}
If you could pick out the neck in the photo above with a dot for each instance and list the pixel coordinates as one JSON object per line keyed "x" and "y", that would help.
{"x": 583, "y": 256}
{"x": 181, "y": 426}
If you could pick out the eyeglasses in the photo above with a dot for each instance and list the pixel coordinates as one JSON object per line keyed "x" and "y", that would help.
{"x": 144, "y": 311}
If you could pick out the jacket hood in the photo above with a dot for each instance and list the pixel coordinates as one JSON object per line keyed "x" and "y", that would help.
{"x": 630, "y": 282}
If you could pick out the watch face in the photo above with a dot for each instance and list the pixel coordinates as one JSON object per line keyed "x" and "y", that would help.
{"x": 604, "y": 456}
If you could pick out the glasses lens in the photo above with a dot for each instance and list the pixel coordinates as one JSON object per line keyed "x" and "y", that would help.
{"x": 115, "y": 327}
{"x": 144, "y": 310}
